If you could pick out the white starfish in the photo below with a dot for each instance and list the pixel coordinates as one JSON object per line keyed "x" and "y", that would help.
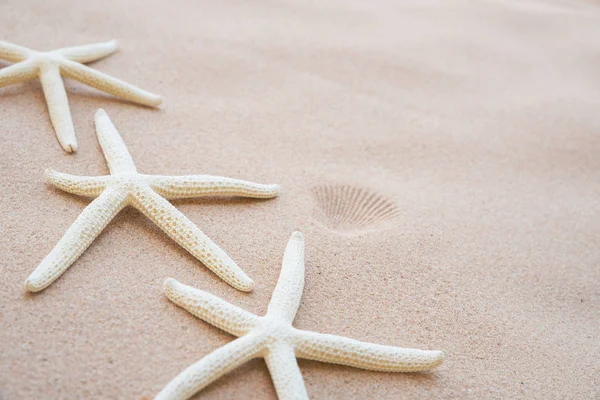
{"x": 148, "y": 193}
{"x": 275, "y": 339}
{"x": 49, "y": 66}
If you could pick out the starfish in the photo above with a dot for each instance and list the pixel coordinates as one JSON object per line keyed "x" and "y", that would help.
{"x": 148, "y": 193}
{"x": 49, "y": 66}
{"x": 275, "y": 339}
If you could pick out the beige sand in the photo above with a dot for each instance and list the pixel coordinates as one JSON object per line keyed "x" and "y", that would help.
{"x": 480, "y": 122}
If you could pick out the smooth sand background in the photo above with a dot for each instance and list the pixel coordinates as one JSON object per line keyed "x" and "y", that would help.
{"x": 481, "y": 122}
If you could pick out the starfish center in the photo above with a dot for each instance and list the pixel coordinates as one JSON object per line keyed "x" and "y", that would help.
{"x": 46, "y": 58}
{"x": 276, "y": 329}
{"x": 129, "y": 180}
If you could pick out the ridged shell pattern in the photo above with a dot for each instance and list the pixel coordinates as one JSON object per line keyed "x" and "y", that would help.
{"x": 351, "y": 209}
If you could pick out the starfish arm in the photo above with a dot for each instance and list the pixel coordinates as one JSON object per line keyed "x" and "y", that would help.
{"x": 213, "y": 366}
{"x": 89, "y": 186}
{"x": 12, "y": 52}
{"x": 78, "y": 237}
{"x": 286, "y": 296}
{"x": 184, "y": 232}
{"x": 108, "y": 84}
{"x": 58, "y": 107}
{"x": 115, "y": 152}
{"x": 210, "y": 308}
{"x": 345, "y": 351}
{"x": 89, "y": 52}
{"x": 285, "y": 373}
{"x": 19, "y": 72}
{"x": 181, "y": 187}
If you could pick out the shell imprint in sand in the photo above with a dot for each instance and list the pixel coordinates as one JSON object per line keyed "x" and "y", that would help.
{"x": 350, "y": 209}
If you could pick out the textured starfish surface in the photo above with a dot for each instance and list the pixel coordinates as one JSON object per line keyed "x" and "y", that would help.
{"x": 49, "y": 66}
{"x": 148, "y": 193}
{"x": 275, "y": 339}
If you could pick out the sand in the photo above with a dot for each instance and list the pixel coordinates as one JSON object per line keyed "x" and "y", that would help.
{"x": 479, "y": 122}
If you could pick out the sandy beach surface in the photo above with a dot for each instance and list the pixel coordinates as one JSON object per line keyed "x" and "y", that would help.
{"x": 442, "y": 159}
